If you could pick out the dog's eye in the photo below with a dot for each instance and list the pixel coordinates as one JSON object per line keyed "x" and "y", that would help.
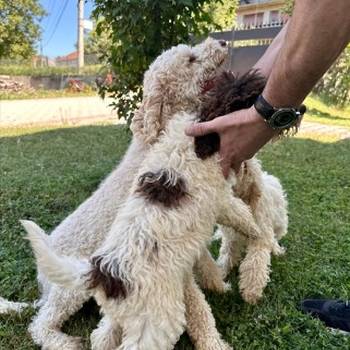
{"x": 192, "y": 58}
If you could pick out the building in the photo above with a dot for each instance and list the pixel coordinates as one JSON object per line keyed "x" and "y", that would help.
{"x": 260, "y": 13}
{"x": 70, "y": 60}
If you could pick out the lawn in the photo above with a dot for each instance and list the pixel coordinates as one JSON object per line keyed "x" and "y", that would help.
{"x": 28, "y": 69}
{"x": 41, "y": 93}
{"x": 318, "y": 111}
{"x": 45, "y": 174}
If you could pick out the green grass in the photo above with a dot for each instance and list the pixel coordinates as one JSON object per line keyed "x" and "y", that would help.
{"x": 47, "y": 173}
{"x": 318, "y": 111}
{"x": 41, "y": 93}
{"x": 27, "y": 69}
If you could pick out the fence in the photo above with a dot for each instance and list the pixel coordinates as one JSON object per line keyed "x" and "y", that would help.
{"x": 247, "y": 45}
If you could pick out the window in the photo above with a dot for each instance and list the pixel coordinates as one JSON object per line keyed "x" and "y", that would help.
{"x": 275, "y": 17}
{"x": 253, "y": 20}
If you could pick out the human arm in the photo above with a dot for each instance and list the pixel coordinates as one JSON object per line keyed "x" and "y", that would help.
{"x": 316, "y": 35}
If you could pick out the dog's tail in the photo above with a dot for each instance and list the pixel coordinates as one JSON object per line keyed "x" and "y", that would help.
{"x": 7, "y": 306}
{"x": 62, "y": 270}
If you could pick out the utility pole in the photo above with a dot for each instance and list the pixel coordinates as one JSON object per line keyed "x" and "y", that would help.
{"x": 80, "y": 34}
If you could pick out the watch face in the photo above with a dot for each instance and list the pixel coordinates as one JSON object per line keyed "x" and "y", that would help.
{"x": 283, "y": 118}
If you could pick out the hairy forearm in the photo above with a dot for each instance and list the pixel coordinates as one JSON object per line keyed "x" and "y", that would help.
{"x": 316, "y": 35}
{"x": 267, "y": 61}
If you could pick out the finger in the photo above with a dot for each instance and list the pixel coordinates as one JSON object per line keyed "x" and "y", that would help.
{"x": 225, "y": 166}
{"x": 200, "y": 129}
{"x": 237, "y": 167}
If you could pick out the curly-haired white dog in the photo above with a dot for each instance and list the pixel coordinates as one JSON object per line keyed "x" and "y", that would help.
{"x": 139, "y": 273}
{"x": 173, "y": 83}
{"x": 262, "y": 192}
{"x": 269, "y": 209}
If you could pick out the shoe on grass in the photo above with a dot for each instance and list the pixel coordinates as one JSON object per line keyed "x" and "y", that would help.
{"x": 334, "y": 313}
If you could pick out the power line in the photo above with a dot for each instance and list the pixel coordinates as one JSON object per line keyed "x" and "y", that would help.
{"x": 57, "y": 23}
{"x": 49, "y": 19}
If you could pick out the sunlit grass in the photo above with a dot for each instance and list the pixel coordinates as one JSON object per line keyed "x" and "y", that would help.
{"x": 47, "y": 173}
{"x": 318, "y": 111}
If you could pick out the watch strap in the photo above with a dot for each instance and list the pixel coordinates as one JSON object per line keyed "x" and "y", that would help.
{"x": 267, "y": 111}
{"x": 264, "y": 108}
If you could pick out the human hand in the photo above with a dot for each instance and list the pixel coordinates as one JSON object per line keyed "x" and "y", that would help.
{"x": 242, "y": 134}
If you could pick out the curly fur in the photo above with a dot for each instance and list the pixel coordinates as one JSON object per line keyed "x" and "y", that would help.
{"x": 262, "y": 192}
{"x": 113, "y": 286}
{"x": 268, "y": 202}
{"x": 165, "y": 187}
{"x": 152, "y": 315}
{"x": 7, "y": 306}
{"x": 173, "y": 83}
{"x": 230, "y": 93}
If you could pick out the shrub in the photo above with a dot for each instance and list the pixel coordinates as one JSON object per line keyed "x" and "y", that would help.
{"x": 139, "y": 31}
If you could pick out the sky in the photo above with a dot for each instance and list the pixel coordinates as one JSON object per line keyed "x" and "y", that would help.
{"x": 61, "y": 41}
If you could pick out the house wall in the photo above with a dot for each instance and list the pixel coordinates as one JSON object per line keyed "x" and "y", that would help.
{"x": 259, "y": 13}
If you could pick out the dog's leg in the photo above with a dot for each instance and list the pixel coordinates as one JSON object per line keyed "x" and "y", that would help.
{"x": 157, "y": 323}
{"x": 254, "y": 271}
{"x": 235, "y": 213}
{"x": 60, "y": 305}
{"x": 200, "y": 321}
{"x": 7, "y": 306}
{"x": 209, "y": 273}
{"x": 44, "y": 287}
{"x": 107, "y": 336}
{"x": 231, "y": 249}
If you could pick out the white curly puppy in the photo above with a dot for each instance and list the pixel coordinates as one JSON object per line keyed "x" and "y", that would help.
{"x": 268, "y": 202}
{"x": 139, "y": 273}
{"x": 262, "y": 192}
{"x": 173, "y": 83}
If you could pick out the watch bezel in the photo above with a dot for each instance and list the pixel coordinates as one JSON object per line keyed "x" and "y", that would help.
{"x": 272, "y": 121}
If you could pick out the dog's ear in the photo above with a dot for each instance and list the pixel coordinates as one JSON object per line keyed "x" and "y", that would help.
{"x": 166, "y": 187}
{"x": 147, "y": 122}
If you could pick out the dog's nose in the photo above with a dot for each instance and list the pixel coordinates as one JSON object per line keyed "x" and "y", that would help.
{"x": 223, "y": 43}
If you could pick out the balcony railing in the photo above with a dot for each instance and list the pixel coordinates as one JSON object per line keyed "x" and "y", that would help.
{"x": 248, "y": 2}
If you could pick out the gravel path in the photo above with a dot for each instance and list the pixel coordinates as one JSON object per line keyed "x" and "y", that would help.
{"x": 323, "y": 129}
{"x": 65, "y": 110}
{"x": 87, "y": 110}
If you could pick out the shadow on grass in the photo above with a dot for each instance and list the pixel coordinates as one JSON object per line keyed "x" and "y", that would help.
{"x": 324, "y": 115}
{"x": 46, "y": 175}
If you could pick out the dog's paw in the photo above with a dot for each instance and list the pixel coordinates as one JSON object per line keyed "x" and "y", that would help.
{"x": 227, "y": 287}
{"x": 75, "y": 343}
{"x": 251, "y": 297}
{"x": 278, "y": 250}
{"x": 213, "y": 344}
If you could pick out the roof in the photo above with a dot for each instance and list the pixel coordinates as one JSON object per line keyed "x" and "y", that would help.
{"x": 73, "y": 56}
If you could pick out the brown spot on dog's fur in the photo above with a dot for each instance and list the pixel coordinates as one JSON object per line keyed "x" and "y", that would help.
{"x": 192, "y": 58}
{"x": 230, "y": 93}
{"x": 248, "y": 190}
{"x": 165, "y": 186}
{"x": 112, "y": 286}
{"x": 251, "y": 196}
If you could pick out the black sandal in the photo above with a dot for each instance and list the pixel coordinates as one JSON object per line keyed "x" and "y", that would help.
{"x": 334, "y": 313}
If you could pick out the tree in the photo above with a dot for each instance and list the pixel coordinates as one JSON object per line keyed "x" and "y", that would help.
{"x": 288, "y": 6}
{"x": 223, "y": 13}
{"x": 19, "y": 28}
{"x": 140, "y": 30}
{"x": 334, "y": 86}
{"x": 97, "y": 44}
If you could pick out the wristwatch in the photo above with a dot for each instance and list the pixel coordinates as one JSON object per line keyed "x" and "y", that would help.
{"x": 278, "y": 118}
